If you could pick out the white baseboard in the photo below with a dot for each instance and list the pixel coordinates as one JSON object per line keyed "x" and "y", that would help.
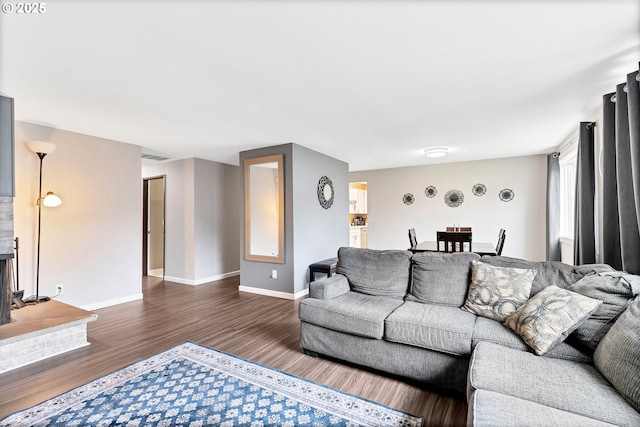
{"x": 158, "y": 272}
{"x": 201, "y": 281}
{"x": 276, "y": 294}
{"x": 109, "y": 303}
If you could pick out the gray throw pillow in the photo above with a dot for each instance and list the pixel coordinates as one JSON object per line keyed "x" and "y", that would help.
{"x": 383, "y": 273}
{"x": 616, "y": 290}
{"x": 496, "y": 292}
{"x": 617, "y": 356}
{"x": 440, "y": 278}
{"x": 550, "y": 316}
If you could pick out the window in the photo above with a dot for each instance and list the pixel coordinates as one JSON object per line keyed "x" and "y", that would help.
{"x": 568, "y": 165}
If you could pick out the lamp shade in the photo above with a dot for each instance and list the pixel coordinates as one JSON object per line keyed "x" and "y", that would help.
{"x": 41, "y": 147}
{"x": 51, "y": 200}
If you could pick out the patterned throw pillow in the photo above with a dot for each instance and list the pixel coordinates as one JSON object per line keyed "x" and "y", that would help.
{"x": 495, "y": 292}
{"x": 550, "y": 316}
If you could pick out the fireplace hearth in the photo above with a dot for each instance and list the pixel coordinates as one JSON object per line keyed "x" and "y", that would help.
{"x": 40, "y": 331}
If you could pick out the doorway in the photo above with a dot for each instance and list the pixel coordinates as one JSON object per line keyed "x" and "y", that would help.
{"x": 153, "y": 235}
{"x": 358, "y": 219}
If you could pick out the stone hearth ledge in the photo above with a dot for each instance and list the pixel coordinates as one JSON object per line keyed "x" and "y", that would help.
{"x": 37, "y": 332}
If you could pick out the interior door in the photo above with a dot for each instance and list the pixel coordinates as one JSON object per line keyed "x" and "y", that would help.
{"x": 153, "y": 245}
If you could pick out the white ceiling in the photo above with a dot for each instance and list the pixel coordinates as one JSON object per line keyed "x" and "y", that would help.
{"x": 372, "y": 83}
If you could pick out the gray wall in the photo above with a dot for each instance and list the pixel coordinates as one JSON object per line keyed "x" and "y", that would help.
{"x": 317, "y": 232}
{"x": 202, "y": 217}
{"x": 257, "y": 275}
{"x": 311, "y": 232}
{"x": 523, "y": 218}
{"x": 217, "y": 220}
{"x": 92, "y": 243}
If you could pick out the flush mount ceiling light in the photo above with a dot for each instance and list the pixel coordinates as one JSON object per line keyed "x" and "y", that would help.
{"x": 436, "y": 152}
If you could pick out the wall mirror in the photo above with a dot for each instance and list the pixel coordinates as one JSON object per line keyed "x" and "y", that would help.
{"x": 264, "y": 209}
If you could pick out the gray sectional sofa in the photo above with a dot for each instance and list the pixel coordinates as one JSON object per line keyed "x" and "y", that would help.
{"x": 440, "y": 319}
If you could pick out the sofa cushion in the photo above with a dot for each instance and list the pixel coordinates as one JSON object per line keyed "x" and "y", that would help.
{"x": 547, "y": 272}
{"x": 616, "y": 290}
{"x": 486, "y": 330}
{"x": 439, "y": 278}
{"x": 496, "y": 292}
{"x": 436, "y": 327}
{"x": 353, "y": 313}
{"x": 376, "y": 272}
{"x": 487, "y": 408}
{"x": 618, "y": 354}
{"x": 550, "y": 316}
{"x": 575, "y": 387}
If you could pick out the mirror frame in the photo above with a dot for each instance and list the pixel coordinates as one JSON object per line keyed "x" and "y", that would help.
{"x": 323, "y": 184}
{"x": 279, "y": 159}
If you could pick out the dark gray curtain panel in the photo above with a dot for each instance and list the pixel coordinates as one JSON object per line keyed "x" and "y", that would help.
{"x": 584, "y": 244}
{"x": 610, "y": 253}
{"x": 633, "y": 106}
{"x": 621, "y": 176}
{"x": 553, "y": 207}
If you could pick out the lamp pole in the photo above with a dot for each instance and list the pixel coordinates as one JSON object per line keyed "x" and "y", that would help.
{"x": 36, "y": 298}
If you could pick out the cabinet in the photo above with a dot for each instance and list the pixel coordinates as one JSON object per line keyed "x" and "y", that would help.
{"x": 358, "y": 237}
{"x": 357, "y": 201}
{"x": 354, "y": 237}
{"x": 7, "y": 186}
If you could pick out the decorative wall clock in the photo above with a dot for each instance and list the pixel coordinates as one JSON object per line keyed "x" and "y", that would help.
{"x": 454, "y": 198}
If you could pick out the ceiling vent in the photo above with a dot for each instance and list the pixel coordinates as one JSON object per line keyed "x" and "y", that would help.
{"x": 154, "y": 157}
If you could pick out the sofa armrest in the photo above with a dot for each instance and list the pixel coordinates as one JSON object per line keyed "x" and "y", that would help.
{"x": 329, "y": 287}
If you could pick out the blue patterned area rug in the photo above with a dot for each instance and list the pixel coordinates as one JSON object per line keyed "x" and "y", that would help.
{"x": 192, "y": 385}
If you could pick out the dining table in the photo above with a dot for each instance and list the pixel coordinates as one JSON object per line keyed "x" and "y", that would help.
{"x": 480, "y": 248}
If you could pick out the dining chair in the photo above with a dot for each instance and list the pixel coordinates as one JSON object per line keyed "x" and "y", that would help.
{"x": 500, "y": 245}
{"x": 413, "y": 240}
{"x": 453, "y": 241}
{"x": 459, "y": 229}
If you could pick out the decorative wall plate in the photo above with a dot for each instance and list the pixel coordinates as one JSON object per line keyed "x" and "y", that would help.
{"x": 507, "y": 195}
{"x": 479, "y": 189}
{"x": 325, "y": 192}
{"x": 454, "y": 198}
{"x": 408, "y": 199}
{"x": 430, "y": 191}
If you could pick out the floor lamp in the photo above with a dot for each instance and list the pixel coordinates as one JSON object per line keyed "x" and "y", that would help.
{"x": 41, "y": 148}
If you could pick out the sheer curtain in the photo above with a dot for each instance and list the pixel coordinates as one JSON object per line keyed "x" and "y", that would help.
{"x": 621, "y": 176}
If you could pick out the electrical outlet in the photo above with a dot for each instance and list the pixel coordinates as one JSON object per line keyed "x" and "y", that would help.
{"x": 59, "y": 289}
{"x": 274, "y": 274}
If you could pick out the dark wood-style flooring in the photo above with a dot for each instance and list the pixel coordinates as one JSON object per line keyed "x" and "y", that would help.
{"x": 255, "y": 327}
